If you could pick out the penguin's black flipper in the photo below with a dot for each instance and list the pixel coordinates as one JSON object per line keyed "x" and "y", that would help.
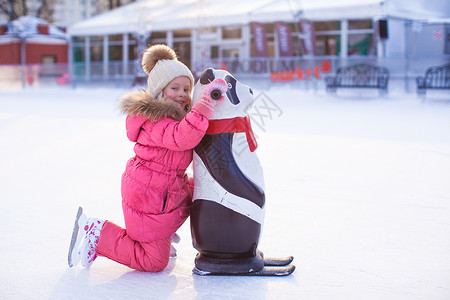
{"x": 216, "y": 152}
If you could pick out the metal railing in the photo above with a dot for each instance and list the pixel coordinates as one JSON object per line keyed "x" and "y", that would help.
{"x": 269, "y": 70}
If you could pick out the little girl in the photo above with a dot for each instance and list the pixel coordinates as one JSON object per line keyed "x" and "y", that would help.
{"x": 156, "y": 192}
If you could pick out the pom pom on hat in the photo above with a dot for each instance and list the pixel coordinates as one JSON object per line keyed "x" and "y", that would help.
{"x": 156, "y": 53}
{"x": 162, "y": 66}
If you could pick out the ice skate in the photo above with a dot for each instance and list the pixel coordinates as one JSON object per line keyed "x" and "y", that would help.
{"x": 85, "y": 235}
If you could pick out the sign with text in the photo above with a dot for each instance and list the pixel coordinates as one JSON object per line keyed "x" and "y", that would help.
{"x": 284, "y": 37}
{"x": 259, "y": 39}
{"x": 301, "y": 74}
{"x": 309, "y": 37}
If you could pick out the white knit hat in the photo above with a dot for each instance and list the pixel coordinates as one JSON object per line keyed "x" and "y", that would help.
{"x": 162, "y": 66}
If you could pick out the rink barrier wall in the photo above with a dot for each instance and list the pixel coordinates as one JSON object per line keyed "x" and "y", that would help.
{"x": 305, "y": 72}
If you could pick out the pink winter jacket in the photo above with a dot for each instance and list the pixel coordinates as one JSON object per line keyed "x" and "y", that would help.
{"x": 156, "y": 193}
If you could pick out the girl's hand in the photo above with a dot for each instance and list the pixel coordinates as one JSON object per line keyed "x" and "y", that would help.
{"x": 213, "y": 94}
{"x": 214, "y": 91}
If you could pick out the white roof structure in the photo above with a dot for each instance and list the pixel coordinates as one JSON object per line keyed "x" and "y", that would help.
{"x": 27, "y": 27}
{"x": 155, "y": 15}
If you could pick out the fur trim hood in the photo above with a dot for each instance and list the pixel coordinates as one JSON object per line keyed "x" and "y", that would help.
{"x": 141, "y": 103}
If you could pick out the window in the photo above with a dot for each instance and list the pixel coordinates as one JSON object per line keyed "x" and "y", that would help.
{"x": 115, "y": 53}
{"x": 48, "y": 59}
{"x": 360, "y": 24}
{"x": 328, "y": 45}
{"x": 184, "y": 33}
{"x": 327, "y": 26}
{"x": 96, "y": 49}
{"x": 158, "y": 37}
{"x": 359, "y": 44}
{"x": 115, "y": 38}
{"x": 360, "y": 37}
{"x": 78, "y": 43}
{"x": 270, "y": 28}
{"x": 132, "y": 52}
{"x": 214, "y": 51}
{"x": 79, "y": 39}
{"x": 78, "y": 54}
{"x": 207, "y": 33}
{"x": 132, "y": 47}
{"x": 115, "y": 47}
{"x": 231, "y": 33}
{"x": 297, "y": 42}
{"x": 298, "y": 48}
{"x": 328, "y": 36}
{"x": 183, "y": 50}
{"x": 96, "y": 53}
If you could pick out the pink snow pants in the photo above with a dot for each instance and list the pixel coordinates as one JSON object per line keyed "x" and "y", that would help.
{"x": 115, "y": 244}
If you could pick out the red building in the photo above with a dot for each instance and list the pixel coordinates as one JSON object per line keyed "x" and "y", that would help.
{"x": 33, "y": 38}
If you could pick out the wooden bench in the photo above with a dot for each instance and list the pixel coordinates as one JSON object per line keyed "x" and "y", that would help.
{"x": 361, "y": 75}
{"x": 437, "y": 77}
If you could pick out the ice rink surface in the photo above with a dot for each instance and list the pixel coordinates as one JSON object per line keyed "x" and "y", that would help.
{"x": 357, "y": 191}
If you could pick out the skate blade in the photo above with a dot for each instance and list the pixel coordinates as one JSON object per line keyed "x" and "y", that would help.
{"x": 284, "y": 261}
{"x": 74, "y": 256}
{"x": 265, "y": 271}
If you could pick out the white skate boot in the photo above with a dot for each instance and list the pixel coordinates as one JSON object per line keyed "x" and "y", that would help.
{"x": 86, "y": 232}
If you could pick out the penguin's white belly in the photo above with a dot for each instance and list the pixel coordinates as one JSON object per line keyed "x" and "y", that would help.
{"x": 207, "y": 188}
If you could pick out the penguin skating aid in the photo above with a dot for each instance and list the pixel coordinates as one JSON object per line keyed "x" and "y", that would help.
{"x": 229, "y": 199}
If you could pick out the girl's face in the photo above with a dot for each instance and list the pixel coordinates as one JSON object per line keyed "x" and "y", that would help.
{"x": 178, "y": 91}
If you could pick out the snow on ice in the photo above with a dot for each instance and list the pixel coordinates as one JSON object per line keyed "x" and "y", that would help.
{"x": 357, "y": 190}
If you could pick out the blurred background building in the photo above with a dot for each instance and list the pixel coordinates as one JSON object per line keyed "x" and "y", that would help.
{"x": 255, "y": 38}
{"x": 61, "y": 13}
